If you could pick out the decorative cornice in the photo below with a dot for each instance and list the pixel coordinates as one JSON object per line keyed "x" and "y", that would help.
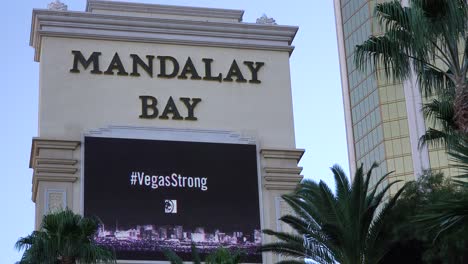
{"x": 295, "y": 154}
{"x": 49, "y": 168}
{"x": 157, "y": 30}
{"x": 200, "y": 12}
{"x": 38, "y": 143}
{"x": 286, "y": 179}
{"x": 280, "y": 170}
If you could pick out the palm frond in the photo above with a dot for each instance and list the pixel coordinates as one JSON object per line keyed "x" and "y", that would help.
{"x": 288, "y": 249}
{"x": 195, "y": 254}
{"x": 299, "y": 224}
{"x": 332, "y": 227}
{"x": 391, "y": 16}
{"x": 427, "y": 38}
{"x": 342, "y": 183}
{"x": 459, "y": 154}
{"x": 172, "y": 257}
{"x": 433, "y": 81}
{"x": 224, "y": 256}
{"x": 64, "y": 234}
{"x": 444, "y": 215}
{"x": 384, "y": 52}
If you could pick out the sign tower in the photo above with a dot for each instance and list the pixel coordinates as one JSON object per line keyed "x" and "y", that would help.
{"x": 172, "y": 124}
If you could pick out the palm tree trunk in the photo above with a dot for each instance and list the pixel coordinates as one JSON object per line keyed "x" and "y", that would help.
{"x": 461, "y": 105}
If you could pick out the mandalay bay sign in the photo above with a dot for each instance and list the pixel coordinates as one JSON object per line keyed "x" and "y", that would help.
{"x": 169, "y": 67}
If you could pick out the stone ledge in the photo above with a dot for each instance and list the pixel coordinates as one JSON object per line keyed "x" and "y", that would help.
{"x": 283, "y": 174}
{"x": 45, "y": 162}
{"x": 295, "y": 154}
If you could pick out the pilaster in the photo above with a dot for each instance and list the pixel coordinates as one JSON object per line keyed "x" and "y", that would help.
{"x": 55, "y": 169}
{"x": 280, "y": 175}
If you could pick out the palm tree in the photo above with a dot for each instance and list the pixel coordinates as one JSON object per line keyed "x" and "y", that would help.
{"x": 342, "y": 227}
{"x": 219, "y": 256}
{"x": 64, "y": 238}
{"x": 224, "y": 256}
{"x": 452, "y": 214}
{"x": 429, "y": 36}
{"x": 175, "y": 259}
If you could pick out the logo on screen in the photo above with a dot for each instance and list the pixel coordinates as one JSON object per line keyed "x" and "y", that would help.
{"x": 170, "y": 206}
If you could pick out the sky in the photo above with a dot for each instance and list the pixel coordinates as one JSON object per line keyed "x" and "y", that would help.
{"x": 316, "y": 88}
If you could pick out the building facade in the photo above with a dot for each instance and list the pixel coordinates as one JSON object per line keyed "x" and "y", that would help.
{"x": 152, "y": 76}
{"x": 383, "y": 119}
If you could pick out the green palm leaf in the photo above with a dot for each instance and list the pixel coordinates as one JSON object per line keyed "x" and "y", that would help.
{"x": 64, "y": 236}
{"x": 343, "y": 227}
{"x": 172, "y": 257}
{"x": 427, "y": 37}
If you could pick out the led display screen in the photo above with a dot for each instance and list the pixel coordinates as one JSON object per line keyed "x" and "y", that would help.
{"x": 152, "y": 195}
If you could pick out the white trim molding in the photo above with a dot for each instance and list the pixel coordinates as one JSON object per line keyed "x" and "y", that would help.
{"x": 416, "y": 123}
{"x": 172, "y": 134}
{"x": 181, "y": 31}
{"x": 94, "y": 6}
{"x": 345, "y": 88}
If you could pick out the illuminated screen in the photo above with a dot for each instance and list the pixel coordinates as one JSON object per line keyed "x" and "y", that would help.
{"x": 153, "y": 195}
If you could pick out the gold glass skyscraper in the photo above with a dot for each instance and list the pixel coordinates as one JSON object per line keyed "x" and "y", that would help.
{"x": 383, "y": 119}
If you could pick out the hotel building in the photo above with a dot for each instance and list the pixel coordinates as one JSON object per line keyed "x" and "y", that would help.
{"x": 383, "y": 119}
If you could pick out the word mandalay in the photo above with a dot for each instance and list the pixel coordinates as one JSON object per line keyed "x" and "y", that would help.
{"x": 169, "y": 67}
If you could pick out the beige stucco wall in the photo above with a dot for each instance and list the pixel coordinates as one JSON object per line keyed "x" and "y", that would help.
{"x": 73, "y": 103}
